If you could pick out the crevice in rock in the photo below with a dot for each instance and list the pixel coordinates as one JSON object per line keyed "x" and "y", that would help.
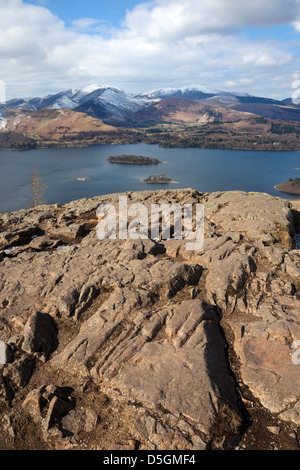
{"x": 228, "y": 423}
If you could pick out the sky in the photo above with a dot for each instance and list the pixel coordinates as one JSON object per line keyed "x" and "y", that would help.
{"x": 252, "y": 46}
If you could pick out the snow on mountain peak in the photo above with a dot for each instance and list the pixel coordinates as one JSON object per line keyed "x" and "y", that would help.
{"x": 167, "y": 91}
{"x": 188, "y": 90}
{"x": 91, "y": 88}
{"x": 195, "y": 87}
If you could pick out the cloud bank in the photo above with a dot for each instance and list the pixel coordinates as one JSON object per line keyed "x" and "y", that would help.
{"x": 160, "y": 43}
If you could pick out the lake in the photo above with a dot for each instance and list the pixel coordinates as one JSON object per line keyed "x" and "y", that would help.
{"x": 202, "y": 169}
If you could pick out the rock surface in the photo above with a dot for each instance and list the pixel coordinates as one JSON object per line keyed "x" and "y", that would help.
{"x": 143, "y": 344}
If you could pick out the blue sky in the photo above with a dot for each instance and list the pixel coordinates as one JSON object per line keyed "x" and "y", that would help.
{"x": 236, "y": 45}
{"x": 112, "y": 11}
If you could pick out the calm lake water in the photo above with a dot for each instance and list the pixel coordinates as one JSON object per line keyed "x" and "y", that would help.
{"x": 202, "y": 169}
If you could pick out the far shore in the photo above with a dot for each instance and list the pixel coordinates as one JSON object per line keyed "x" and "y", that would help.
{"x": 287, "y": 191}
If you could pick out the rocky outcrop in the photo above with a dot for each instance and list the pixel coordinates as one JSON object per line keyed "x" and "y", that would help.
{"x": 143, "y": 344}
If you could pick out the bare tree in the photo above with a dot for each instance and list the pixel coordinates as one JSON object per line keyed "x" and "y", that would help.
{"x": 38, "y": 189}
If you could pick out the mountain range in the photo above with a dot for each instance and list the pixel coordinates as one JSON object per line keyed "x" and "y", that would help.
{"x": 102, "y": 102}
{"x": 193, "y": 116}
{"x": 115, "y": 106}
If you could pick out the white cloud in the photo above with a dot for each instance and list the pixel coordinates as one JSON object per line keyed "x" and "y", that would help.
{"x": 266, "y": 58}
{"x": 162, "y": 43}
{"x": 175, "y": 19}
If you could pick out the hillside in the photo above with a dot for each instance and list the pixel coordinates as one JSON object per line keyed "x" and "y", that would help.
{"x": 178, "y": 110}
{"x": 59, "y": 127}
{"x": 53, "y": 124}
{"x": 271, "y": 111}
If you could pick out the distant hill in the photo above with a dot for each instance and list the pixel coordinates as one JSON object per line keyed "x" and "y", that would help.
{"x": 244, "y": 102}
{"x": 271, "y": 111}
{"x": 176, "y": 110}
{"x": 23, "y": 130}
{"x": 52, "y": 124}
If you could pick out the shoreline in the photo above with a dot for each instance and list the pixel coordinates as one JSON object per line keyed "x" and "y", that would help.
{"x": 286, "y": 191}
{"x": 167, "y": 182}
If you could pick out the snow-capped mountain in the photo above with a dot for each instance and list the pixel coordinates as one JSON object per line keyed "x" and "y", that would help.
{"x": 193, "y": 92}
{"x": 98, "y": 101}
{"x": 114, "y": 105}
{"x": 189, "y": 92}
{"x": 109, "y": 101}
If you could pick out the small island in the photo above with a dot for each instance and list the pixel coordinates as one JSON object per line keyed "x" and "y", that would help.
{"x": 133, "y": 160}
{"x": 292, "y": 186}
{"x": 158, "y": 179}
